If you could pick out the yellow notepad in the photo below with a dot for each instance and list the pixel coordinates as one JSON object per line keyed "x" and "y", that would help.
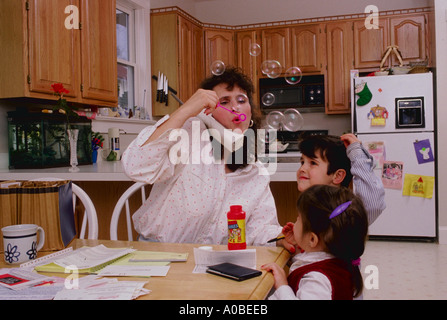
{"x": 88, "y": 260}
{"x": 85, "y": 260}
{"x": 155, "y": 256}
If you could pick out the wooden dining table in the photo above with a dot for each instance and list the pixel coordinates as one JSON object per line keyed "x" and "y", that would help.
{"x": 182, "y": 284}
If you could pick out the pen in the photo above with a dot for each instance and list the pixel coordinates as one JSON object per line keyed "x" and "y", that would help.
{"x": 275, "y": 239}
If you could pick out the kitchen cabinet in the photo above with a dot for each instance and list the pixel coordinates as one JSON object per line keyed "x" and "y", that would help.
{"x": 191, "y": 64}
{"x": 276, "y": 46}
{"x": 329, "y": 46}
{"x": 408, "y": 32}
{"x": 219, "y": 45}
{"x": 248, "y": 63}
{"x": 308, "y": 48}
{"x": 39, "y": 50}
{"x": 177, "y": 52}
{"x": 339, "y": 43}
{"x": 300, "y": 46}
{"x": 370, "y": 44}
{"x": 98, "y": 51}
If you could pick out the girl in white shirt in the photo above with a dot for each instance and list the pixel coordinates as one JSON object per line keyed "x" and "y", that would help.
{"x": 192, "y": 194}
{"x": 331, "y": 228}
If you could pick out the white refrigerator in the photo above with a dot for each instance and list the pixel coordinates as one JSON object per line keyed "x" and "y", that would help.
{"x": 393, "y": 116}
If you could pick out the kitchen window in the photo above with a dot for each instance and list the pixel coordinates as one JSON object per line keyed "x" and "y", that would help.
{"x": 125, "y": 42}
{"x": 133, "y": 66}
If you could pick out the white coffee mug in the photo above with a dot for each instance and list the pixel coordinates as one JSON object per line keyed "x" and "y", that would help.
{"x": 20, "y": 242}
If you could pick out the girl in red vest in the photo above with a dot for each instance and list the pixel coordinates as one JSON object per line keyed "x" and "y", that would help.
{"x": 331, "y": 228}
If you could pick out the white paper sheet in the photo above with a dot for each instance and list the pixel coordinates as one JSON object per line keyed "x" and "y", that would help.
{"x": 85, "y": 258}
{"x": 208, "y": 257}
{"x": 112, "y": 290}
{"x": 134, "y": 271}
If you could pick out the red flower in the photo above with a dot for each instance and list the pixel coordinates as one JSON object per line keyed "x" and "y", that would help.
{"x": 59, "y": 88}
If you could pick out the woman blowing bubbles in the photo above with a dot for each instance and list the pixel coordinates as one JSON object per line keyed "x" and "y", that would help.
{"x": 189, "y": 199}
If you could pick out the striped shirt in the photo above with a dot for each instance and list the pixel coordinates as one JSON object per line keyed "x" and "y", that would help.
{"x": 367, "y": 185}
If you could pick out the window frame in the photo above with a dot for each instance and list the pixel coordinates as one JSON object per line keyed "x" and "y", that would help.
{"x": 140, "y": 53}
{"x": 131, "y": 47}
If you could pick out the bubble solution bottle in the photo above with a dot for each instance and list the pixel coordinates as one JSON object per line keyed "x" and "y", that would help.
{"x": 236, "y": 228}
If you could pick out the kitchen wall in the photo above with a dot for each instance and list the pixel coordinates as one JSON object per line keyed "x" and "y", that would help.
{"x": 237, "y": 12}
{"x": 441, "y": 96}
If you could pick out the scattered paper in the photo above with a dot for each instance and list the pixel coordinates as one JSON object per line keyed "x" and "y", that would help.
{"x": 46, "y": 292}
{"x": 208, "y": 257}
{"x": 18, "y": 279}
{"x": 85, "y": 258}
{"x": 154, "y": 256}
{"x": 134, "y": 271}
{"x": 105, "y": 290}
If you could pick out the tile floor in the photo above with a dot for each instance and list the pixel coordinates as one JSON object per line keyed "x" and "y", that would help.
{"x": 404, "y": 270}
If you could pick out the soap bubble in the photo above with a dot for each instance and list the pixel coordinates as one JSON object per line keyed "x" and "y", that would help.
{"x": 293, "y": 75}
{"x": 217, "y": 67}
{"x": 271, "y": 68}
{"x": 255, "y": 50}
{"x": 275, "y": 119}
{"x": 268, "y": 99}
{"x": 265, "y": 66}
{"x": 293, "y": 120}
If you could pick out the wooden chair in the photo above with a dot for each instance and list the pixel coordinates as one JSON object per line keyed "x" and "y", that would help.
{"x": 123, "y": 201}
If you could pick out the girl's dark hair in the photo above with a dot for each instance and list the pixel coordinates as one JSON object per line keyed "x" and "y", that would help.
{"x": 233, "y": 76}
{"x": 344, "y": 235}
{"x": 332, "y": 149}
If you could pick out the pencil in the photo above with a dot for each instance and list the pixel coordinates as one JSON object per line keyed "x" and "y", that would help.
{"x": 275, "y": 239}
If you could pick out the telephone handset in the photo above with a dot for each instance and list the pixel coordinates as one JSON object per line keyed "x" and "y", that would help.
{"x": 231, "y": 140}
{"x": 224, "y": 136}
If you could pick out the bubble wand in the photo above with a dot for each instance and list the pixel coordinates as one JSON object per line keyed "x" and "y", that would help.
{"x": 241, "y": 116}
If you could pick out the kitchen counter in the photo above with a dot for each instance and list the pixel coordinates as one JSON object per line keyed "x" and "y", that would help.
{"x": 113, "y": 171}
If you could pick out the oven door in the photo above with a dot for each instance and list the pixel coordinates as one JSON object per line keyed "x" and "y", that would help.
{"x": 285, "y": 97}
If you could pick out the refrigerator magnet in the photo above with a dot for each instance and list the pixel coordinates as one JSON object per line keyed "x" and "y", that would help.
{"x": 423, "y": 151}
{"x": 364, "y": 94}
{"x": 392, "y": 174}
{"x": 378, "y": 116}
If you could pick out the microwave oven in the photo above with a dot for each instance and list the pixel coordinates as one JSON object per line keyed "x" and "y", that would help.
{"x": 305, "y": 96}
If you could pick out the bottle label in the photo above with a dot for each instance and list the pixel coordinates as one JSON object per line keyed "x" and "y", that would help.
{"x": 236, "y": 231}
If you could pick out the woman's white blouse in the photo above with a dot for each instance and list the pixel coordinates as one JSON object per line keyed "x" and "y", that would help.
{"x": 189, "y": 202}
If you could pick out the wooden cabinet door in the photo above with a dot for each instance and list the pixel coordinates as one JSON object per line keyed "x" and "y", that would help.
{"x": 370, "y": 44}
{"x": 308, "y": 47}
{"x": 186, "y": 67}
{"x": 409, "y": 34}
{"x": 191, "y": 71}
{"x": 248, "y": 63}
{"x": 219, "y": 45}
{"x": 198, "y": 61}
{"x": 339, "y": 40}
{"x": 99, "y": 61}
{"x": 53, "y": 50}
{"x": 276, "y": 46}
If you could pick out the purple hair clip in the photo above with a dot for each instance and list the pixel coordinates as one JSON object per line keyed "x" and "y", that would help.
{"x": 339, "y": 209}
{"x": 356, "y": 262}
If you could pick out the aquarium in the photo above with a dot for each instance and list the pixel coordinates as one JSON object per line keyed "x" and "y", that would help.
{"x": 40, "y": 140}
